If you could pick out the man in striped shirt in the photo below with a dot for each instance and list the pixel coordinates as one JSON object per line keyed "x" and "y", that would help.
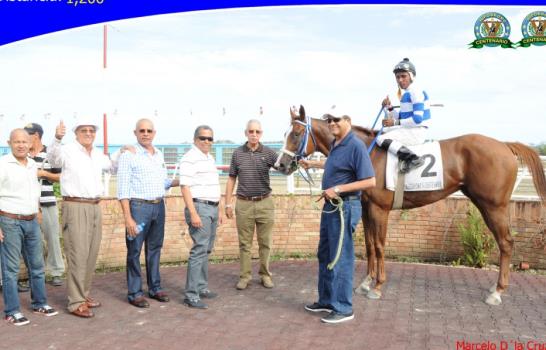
{"x": 200, "y": 185}
{"x": 47, "y": 175}
{"x": 142, "y": 182}
{"x": 255, "y": 208}
{"x": 407, "y": 126}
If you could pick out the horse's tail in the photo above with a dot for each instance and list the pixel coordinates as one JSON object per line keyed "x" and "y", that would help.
{"x": 530, "y": 157}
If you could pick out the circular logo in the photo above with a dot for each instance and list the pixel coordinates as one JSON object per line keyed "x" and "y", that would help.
{"x": 533, "y": 28}
{"x": 492, "y": 25}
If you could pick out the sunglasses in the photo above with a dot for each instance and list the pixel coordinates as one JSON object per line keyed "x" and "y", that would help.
{"x": 333, "y": 120}
{"x": 149, "y": 131}
{"x": 87, "y": 131}
{"x": 205, "y": 138}
{"x": 257, "y": 132}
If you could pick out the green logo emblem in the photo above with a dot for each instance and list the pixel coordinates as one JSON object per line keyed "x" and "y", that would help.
{"x": 533, "y": 28}
{"x": 492, "y": 29}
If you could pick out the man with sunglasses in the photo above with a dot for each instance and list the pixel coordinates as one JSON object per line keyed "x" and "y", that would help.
{"x": 347, "y": 172}
{"x": 200, "y": 186}
{"x": 82, "y": 166}
{"x": 142, "y": 184}
{"x": 255, "y": 208}
{"x": 407, "y": 126}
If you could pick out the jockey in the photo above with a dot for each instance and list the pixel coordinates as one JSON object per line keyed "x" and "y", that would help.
{"x": 408, "y": 125}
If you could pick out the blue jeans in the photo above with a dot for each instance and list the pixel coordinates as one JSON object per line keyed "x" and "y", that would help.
{"x": 151, "y": 218}
{"x": 203, "y": 241}
{"x": 22, "y": 236}
{"x": 335, "y": 286}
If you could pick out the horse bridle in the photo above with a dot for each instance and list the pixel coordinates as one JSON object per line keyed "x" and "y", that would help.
{"x": 300, "y": 152}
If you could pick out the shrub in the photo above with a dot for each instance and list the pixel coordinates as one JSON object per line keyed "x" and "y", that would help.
{"x": 477, "y": 242}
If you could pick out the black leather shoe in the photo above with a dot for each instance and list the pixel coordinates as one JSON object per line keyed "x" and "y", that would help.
{"x": 160, "y": 296}
{"x": 22, "y": 287}
{"x": 140, "y": 302}
{"x": 207, "y": 294}
{"x": 195, "y": 303}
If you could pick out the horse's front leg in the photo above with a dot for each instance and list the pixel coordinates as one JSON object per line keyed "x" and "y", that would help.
{"x": 366, "y": 283}
{"x": 378, "y": 220}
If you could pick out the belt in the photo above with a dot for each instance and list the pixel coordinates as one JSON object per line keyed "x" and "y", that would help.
{"x": 214, "y": 204}
{"x": 18, "y": 216}
{"x": 350, "y": 198}
{"x": 254, "y": 198}
{"x": 148, "y": 201}
{"x": 82, "y": 200}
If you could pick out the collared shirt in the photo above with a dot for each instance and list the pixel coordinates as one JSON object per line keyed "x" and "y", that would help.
{"x": 81, "y": 172}
{"x": 198, "y": 171}
{"x": 252, "y": 169}
{"x": 347, "y": 162}
{"x": 47, "y": 198}
{"x": 19, "y": 187}
{"x": 142, "y": 175}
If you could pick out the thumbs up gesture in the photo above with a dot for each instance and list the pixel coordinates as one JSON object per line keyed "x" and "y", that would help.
{"x": 60, "y": 130}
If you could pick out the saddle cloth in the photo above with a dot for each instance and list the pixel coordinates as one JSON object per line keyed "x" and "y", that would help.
{"x": 428, "y": 177}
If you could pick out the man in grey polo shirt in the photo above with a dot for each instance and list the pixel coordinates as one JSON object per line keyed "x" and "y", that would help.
{"x": 200, "y": 186}
{"x": 255, "y": 208}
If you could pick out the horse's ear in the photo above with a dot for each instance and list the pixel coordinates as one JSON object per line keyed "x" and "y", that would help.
{"x": 293, "y": 114}
{"x": 302, "y": 112}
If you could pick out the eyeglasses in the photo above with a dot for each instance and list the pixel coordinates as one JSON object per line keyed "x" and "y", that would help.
{"x": 149, "y": 131}
{"x": 334, "y": 119}
{"x": 257, "y": 132}
{"x": 87, "y": 131}
{"x": 206, "y": 138}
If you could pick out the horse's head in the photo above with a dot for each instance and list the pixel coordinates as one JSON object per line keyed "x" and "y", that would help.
{"x": 297, "y": 142}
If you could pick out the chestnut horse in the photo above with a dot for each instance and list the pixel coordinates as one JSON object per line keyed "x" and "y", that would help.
{"x": 482, "y": 168}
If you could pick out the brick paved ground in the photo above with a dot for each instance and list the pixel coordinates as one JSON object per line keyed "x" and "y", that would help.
{"x": 424, "y": 307}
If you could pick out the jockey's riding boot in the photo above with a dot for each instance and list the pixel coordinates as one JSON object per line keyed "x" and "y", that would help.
{"x": 408, "y": 159}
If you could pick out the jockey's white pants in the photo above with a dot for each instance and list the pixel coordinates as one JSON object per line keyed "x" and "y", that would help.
{"x": 402, "y": 136}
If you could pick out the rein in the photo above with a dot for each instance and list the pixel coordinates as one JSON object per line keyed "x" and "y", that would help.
{"x": 338, "y": 206}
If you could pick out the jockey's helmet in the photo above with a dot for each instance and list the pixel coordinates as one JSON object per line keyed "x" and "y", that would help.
{"x": 405, "y": 66}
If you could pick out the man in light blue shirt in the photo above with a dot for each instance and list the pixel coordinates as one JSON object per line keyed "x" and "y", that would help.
{"x": 142, "y": 183}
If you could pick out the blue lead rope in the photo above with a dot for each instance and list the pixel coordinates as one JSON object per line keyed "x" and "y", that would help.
{"x": 374, "y": 141}
{"x": 379, "y": 133}
{"x": 377, "y": 118}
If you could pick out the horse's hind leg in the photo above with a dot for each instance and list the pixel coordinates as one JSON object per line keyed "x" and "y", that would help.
{"x": 376, "y": 227}
{"x": 497, "y": 219}
{"x": 366, "y": 283}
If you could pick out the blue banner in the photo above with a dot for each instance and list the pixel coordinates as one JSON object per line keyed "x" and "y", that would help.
{"x": 21, "y": 19}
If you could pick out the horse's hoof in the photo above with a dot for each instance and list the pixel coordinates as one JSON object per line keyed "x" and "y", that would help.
{"x": 362, "y": 290}
{"x": 374, "y": 294}
{"x": 494, "y": 299}
{"x": 493, "y": 288}
{"x": 364, "y": 287}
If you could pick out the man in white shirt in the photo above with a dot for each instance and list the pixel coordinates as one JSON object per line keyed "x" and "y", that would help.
{"x": 81, "y": 187}
{"x": 19, "y": 229}
{"x": 200, "y": 185}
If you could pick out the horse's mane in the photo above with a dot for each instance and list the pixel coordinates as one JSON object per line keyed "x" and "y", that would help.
{"x": 362, "y": 130}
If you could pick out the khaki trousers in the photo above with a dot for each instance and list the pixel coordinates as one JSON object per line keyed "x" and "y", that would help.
{"x": 254, "y": 216}
{"x": 82, "y": 232}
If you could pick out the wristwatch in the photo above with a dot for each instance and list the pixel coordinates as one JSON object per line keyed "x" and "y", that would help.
{"x": 337, "y": 190}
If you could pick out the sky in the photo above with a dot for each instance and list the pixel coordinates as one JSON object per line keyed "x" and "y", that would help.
{"x": 222, "y": 67}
